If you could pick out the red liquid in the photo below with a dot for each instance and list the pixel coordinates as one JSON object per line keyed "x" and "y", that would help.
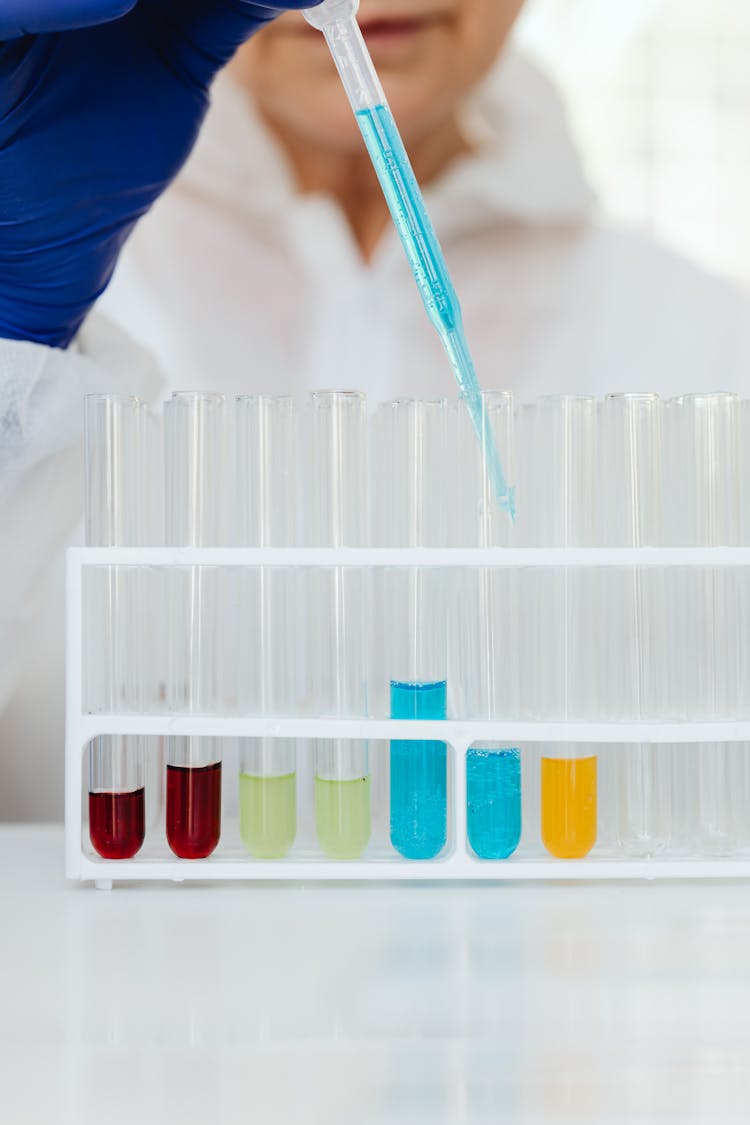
{"x": 193, "y": 810}
{"x": 117, "y": 823}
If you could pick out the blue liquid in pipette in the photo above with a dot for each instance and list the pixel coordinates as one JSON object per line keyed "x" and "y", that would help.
{"x": 419, "y": 779}
{"x": 430, "y": 271}
{"x": 493, "y": 802}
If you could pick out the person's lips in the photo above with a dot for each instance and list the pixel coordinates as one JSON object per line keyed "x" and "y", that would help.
{"x": 385, "y": 31}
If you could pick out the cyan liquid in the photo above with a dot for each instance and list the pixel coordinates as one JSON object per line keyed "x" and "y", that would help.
{"x": 419, "y": 775}
{"x": 430, "y": 271}
{"x": 493, "y": 800}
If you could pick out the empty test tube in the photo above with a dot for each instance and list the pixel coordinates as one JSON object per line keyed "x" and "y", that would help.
{"x": 705, "y": 443}
{"x": 486, "y": 623}
{"x": 114, "y": 456}
{"x": 194, "y": 448}
{"x": 411, "y": 479}
{"x": 266, "y": 459}
{"x": 565, "y": 657}
{"x": 338, "y": 638}
{"x": 635, "y": 667}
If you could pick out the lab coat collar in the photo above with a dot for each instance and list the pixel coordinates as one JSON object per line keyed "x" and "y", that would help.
{"x": 523, "y": 166}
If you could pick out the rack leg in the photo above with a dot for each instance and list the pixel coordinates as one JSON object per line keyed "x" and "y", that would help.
{"x": 103, "y": 884}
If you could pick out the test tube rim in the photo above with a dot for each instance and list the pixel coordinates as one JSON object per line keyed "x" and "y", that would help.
{"x": 696, "y": 398}
{"x": 491, "y": 400}
{"x": 327, "y": 395}
{"x": 490, "y": 393}
{"x": 277, "y": 400}
{"x": 216, "y": 397}
{"x": 556, "y": 398}
{"x": 633, "y": 396}
{"x": 117, "y": 396}
{"x": 393, "y": 403}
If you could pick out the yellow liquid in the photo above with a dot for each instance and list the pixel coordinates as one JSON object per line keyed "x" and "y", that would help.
{"x": 342, "y": 816}
{"x": 569, "y": 806}
{"x": 268, "y": 814}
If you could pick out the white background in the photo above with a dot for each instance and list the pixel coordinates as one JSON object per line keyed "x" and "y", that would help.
{"x": 658, "y": 93}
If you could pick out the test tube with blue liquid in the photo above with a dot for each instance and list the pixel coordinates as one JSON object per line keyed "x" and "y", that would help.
{"x": 266, "y": 453}
{"x": 338, "y": 625}
{"x": 412, "y": 440}
{"x": 337, "y": 20}
{"x": 486, "y": 679}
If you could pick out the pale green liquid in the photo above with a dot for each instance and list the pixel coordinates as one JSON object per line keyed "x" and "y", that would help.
{"x": 342, "y": 817}
{"x": 268, "y": 814}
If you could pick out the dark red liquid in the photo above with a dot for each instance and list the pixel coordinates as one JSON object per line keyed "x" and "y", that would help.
{"x": 193, "y": 810}
{"x": 117, "y": 823}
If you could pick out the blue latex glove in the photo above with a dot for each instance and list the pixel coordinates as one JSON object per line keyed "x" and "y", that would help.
{"x": 100, "y": 105}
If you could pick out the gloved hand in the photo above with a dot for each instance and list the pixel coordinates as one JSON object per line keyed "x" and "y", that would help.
{"x": 100, "y": 105}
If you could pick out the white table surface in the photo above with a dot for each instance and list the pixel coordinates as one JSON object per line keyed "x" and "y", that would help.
{"x": 379, "y": 1004}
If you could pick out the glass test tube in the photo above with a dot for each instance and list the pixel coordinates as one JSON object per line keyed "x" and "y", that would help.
{"x": 413, "y": 440}
{"x": 566, "y": 660}
{"x": 707, "y": 453}
{"x": 194, "y": 445}
{"x": 742, "y": 805}
{"x": 114, "y": 450}
{"x": 339, "y": 616}
{"x": 635, "y": 666}
{"x": 266, "y": 451}
{"x": 487, "y": 677}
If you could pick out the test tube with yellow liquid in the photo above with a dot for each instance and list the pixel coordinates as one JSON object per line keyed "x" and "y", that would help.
{"x": 266, "y": 448}
{"x": 567, "y": 667}
{"x": 568, "y": 802}
{"x": 338, "y": 624}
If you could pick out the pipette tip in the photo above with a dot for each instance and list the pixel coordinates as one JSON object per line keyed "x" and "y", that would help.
{"x": 508, "y": 503}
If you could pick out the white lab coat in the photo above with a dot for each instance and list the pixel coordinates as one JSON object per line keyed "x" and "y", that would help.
{"x": 235, "y": 283}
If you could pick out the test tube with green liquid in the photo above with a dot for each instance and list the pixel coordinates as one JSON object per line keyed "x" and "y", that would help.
{"x": 338, "y": 635}
{"x": 266, "y": 451}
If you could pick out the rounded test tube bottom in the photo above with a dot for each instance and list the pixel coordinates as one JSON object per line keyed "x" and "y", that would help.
{"x": 569, "y": 806}
{"x": 342, "y": 816}
{"x": 268, "y": 814}
{"x": 493, "y": 801}
{"x": 644, "y": 799}
{"x": 193, "y": 810}
{"x": 117, "y": 823}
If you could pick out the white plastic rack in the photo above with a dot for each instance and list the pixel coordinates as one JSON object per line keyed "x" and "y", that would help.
{"x": 458, "y": 862}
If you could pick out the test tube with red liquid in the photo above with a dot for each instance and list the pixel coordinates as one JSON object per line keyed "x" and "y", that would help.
{"x": 194, "y": 458}
{"x": 114, "y": 457}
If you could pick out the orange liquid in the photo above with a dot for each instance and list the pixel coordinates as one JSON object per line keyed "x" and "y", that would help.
{"x": 569, "y": 806}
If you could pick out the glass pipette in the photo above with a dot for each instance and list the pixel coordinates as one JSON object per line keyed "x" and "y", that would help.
{"x": 337, "y": 20}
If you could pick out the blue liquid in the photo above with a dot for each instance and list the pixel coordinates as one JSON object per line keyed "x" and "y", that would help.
{"x": 430, "y": 271}
{"x": 419, "y": 775}
{"x": 493, "y": 799}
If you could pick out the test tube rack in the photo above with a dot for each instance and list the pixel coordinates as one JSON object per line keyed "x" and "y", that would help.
{"x": 458, "y": 862}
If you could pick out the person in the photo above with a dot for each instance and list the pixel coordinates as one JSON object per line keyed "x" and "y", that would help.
{"x": 270, "y": 264}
